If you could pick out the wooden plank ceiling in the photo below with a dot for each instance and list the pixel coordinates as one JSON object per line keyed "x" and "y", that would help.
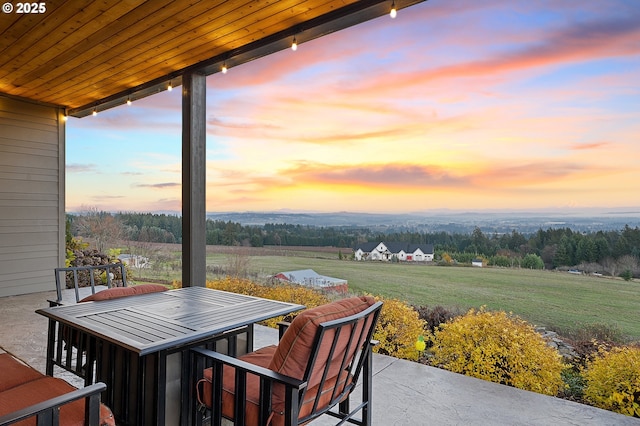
{"x": 85, "y": 55}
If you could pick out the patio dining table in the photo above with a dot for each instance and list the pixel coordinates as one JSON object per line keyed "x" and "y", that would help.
{"x": 140, "y": 344}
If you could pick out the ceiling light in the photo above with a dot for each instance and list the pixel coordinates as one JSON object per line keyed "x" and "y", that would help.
{"x": 224, "y": 68}
{"x": 394, "y": 11}
{"x": 129, "y": 101}
{"x": 294, "y": 44}
{"x": 95, "y": 112}
{"x": 169, "y": 87}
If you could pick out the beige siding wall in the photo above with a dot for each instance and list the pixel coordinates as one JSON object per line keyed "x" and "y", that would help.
{"x": 31, "y": 196}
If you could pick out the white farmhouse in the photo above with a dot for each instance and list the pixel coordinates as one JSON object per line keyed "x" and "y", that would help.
{"x": 389, "y": 250}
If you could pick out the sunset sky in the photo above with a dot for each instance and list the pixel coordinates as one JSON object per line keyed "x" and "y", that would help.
{"x": 458, "y": 104}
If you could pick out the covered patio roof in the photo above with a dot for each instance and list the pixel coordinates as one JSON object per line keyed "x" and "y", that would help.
{"x": 83, "y": 57}
{"x": 86, "y": 56}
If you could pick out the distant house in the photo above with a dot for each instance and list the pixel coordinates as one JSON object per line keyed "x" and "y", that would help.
{"x": 477, "y": 262}
{"x": 389, "y": 250}
{"x": 310, "y": 278}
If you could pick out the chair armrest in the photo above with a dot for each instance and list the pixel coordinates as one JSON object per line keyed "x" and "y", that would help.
{"x": 48, "y": 410}
{"x": 243, "y": 370}
{"x": 251, "y": 368}
{"x": 282, "y": 327}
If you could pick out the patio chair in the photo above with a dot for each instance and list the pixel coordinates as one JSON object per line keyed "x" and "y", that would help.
{"x": 26, "y": 394}
{"x": 75, "y": 351}
{"x": 314, "y": 368}
{"x": 77, "y": 277}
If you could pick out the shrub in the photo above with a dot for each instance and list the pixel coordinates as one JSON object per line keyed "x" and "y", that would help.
{"x": 599, "y": 332}
{"x": 532, "y": 261}
{"x": 398, "y": 328}
{"x": 236, "y": 285}
{"x": 498, "y": 347}
{"x": 613, "y": 380}
{"x": 574, "y": 389}
{"x": 627, "y": 275}
{"x": 436, "y": 315}
{"x": 284, "y": 292}
{"x": 503, "y": 261}
{"x": 587, "y": 339}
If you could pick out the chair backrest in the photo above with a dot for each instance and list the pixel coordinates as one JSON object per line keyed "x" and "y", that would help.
{"x": 327, "y": 347}
{"x": 75, "y": 277}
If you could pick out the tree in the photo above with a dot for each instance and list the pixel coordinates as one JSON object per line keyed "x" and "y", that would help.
{"x": 548, "y": 254}
{"x": 516, "y": 241}
{"x": 101, "y": 227}
{"x": 621, "y": 247}
{"x": 610, "y": 265}
{"x": 256, "y": 240}
{"x": 532, "y": 261}
{"x": 479, "y": 242}
{"x": 586, "y": 250}
{"x": 563, "y": 255}
{"x": 628, "y": 264}
{"x": 602, "y": 248}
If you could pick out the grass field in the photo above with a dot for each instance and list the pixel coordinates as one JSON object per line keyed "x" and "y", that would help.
{"x": 558, "y": 300}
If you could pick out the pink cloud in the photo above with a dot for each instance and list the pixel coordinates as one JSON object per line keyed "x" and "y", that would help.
{"x": 159, "y": 185}
{"x": 575, "y": 43}
{"x": 81, "y": 168}
{"x": 589, "y": 146}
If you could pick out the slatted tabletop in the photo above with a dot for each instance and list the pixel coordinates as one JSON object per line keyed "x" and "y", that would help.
{"x": 152, "y": 322}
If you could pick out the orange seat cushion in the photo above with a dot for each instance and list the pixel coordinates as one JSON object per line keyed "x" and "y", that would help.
{"x": 15, "y": 373}
{"x": 261, "y": 357}
{"x": 117, "y": 292}
{"x": 45, "y": 388}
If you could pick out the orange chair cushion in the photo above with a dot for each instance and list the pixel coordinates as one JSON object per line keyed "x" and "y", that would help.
{"x": 117, "y": 292}
{"x": 15, "y": 373}
{"x": 294, "y": 349}
{"x": 45, "y": 388}
{"x": 262, "y": 357}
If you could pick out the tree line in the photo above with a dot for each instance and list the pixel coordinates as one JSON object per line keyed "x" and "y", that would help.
{"x": 556, "y": 247}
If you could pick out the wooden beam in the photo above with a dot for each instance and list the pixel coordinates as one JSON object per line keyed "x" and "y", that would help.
{"x": 194, "y": 116}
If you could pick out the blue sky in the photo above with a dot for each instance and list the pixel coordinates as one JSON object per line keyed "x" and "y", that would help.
{"x": 453, "y": 104}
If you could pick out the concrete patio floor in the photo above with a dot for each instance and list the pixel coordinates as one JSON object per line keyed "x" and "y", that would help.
{"x": 404, "y": 392}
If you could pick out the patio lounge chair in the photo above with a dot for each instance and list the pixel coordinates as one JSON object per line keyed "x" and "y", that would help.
{"x": 314, "y": 368}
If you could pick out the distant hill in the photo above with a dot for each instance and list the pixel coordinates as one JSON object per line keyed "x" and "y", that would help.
{"x": 587, "y": 220}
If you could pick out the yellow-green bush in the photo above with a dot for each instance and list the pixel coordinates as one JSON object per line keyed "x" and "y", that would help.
{"x": 236, "y": 285}
{"x": 498, "y": 347}
{"x": 398, "y": 328}
{"x": 284, "y": 292}
{"x": 613, "y": 380}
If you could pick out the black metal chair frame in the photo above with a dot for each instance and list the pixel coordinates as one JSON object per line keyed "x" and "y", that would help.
{"x": 75, "y": 270}
{"x": 361, "y": 363}
{"x": 48, "y": 412}
{"x": 65, "y": 352}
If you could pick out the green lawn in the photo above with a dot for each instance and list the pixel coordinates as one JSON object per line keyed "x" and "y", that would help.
{"x": 558, "y": 300}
